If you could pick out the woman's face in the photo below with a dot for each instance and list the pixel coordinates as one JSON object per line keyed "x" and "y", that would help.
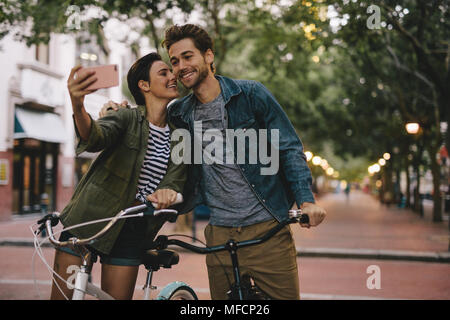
{"x": 163, "y": 83}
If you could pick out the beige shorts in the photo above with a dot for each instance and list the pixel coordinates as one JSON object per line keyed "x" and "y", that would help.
{"x": 272, "y": 264}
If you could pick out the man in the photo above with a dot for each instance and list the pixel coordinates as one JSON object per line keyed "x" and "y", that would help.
{"x": 244, "y": 202}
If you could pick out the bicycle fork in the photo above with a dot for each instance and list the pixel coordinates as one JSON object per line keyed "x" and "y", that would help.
{"x": 231, "y": 246}
{"x": 148, "y": 285}
{"x": 82, "y": 276}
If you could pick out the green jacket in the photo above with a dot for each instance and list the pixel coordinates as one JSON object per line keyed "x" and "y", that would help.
{"x": 110, "y": 184}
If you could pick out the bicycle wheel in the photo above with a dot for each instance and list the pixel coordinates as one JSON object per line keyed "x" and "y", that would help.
{"x": 183, "y": 293}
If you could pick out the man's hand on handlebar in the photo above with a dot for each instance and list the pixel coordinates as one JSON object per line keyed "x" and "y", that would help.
{"x": 163, "y": 198}
{"x": 316, "y": 214}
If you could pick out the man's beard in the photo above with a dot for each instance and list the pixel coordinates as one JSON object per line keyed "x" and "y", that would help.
{"x": 202, "y": 74}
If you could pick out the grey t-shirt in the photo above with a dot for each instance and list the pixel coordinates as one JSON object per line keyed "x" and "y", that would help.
{"x": 226, "y": 192}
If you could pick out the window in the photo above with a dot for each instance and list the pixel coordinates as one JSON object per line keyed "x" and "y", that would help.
{"x": 43, "y": 53}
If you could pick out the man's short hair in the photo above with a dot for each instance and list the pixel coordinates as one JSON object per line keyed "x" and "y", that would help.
{"x": 199, "y": 36}
{"x": 140, "y": 70}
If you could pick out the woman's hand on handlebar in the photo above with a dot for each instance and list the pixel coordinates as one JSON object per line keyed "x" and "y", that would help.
{"x": 163, "y": 198}
{"x": 316, "y": 214}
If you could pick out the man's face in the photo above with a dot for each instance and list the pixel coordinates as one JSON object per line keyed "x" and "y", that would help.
{"x": 189, "y": 65}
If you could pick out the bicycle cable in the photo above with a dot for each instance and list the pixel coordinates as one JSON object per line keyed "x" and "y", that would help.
{"x": 214, "y": 253}
{"x": 38, "y": 248}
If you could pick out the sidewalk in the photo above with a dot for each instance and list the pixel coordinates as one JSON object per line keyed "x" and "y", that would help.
{"x": 361, "y": 227}
{"x": 358, "y": 228}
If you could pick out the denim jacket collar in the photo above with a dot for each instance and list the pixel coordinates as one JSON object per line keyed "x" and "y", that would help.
{"x": 229, "y": 88}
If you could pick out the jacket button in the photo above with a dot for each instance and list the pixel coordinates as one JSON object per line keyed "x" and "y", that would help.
{"x": 245, "y": 129}
{"x": 253, "y": 185}
{"x": 264, "y": 200}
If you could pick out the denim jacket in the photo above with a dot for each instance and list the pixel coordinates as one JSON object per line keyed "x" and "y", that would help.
{"x": 250, "y": 105}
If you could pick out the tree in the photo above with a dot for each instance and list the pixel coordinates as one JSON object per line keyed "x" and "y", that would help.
{"x": 412, "y": 42}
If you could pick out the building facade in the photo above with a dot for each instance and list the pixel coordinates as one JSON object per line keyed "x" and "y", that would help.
{"x": 38, "y": 167}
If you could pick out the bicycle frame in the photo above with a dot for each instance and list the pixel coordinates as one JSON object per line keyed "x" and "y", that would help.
{"x": 82, "y": 286}
{"x": 232, "y": 246}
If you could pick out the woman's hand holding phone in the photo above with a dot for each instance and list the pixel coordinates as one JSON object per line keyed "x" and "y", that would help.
{"x": 77, "y": 85}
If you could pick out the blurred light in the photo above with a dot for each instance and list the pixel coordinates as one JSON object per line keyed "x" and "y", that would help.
{"x": 308, "y": 155}
{"x": 330, "y": 171}
{"x": 374, "y": 168}
{"x": 324, "y": 164}
{"x": 381, "y": 162}
{"x": 378, "y": 183}
{"x": 336, "y": 174}
{"x": 316, "y": 59}
{"x": 412, "y": 127}
{"x": 343, "y": 184}
{"x": 386, "y": 156}
{"x": 316, "y": 160}
{"x": 88, "y": 56}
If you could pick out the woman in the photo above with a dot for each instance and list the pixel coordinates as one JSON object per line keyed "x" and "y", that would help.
{"x": 135, "y": 147}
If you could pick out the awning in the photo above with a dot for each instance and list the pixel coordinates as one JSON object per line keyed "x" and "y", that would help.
{"x": 44, "y": 126}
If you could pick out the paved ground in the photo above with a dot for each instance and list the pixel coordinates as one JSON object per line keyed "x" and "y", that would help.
{"x": 357, "y": 226}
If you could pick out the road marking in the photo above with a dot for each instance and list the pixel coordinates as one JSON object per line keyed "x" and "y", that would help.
{"x": 25, "y": 281}
{"x": 306, "y": 296}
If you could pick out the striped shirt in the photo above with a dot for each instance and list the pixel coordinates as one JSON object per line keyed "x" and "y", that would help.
{"x": 155, "y": 162}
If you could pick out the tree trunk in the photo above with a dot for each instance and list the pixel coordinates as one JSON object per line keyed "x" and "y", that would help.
{"x": 436, "y": 173}
{"x": 417, "y": 189}
{"x": 387, "y": 185}
{"x": 408, "y": 187}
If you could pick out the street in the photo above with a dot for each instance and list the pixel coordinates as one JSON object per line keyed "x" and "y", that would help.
{"x": 359, "y": 223}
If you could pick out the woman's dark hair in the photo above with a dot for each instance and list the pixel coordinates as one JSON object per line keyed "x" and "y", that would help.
{"x": 140, "y": 70}
{"x": 199, "y": 36}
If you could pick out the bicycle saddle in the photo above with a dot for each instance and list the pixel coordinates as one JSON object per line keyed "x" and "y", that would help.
{"x": 154, "y": 259}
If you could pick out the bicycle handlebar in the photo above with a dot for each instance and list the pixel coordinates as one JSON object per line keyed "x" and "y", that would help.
{"x": 146, "y": 209}
{"x": 295, "y": 216}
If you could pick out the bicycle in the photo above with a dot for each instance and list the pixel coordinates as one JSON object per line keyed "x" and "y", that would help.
{"x": 153, "y": 260}
{"x": 243, "y": 288}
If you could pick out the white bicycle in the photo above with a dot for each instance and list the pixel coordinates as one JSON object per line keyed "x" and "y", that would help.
{"x": 153, "y": 259}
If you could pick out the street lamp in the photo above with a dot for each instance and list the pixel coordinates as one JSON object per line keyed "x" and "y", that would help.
{"x": 412, "y": 127}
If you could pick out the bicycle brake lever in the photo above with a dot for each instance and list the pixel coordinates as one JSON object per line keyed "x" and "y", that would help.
{"x": 53, "y": 217}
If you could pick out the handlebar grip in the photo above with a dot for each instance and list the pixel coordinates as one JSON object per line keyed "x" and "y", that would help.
{"x": 304, "y": 218}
